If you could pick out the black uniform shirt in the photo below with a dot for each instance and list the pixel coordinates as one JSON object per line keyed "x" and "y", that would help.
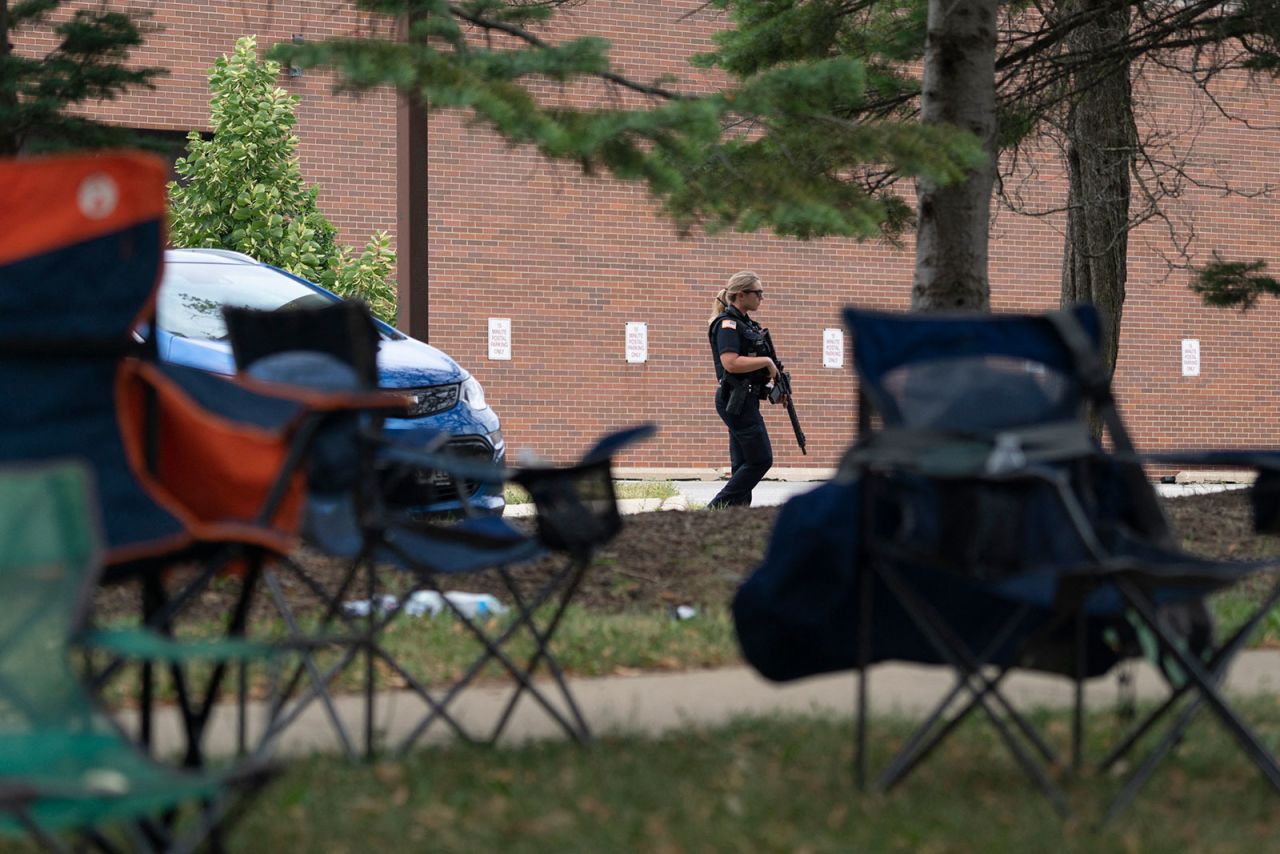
{"x": 733, "y": 332}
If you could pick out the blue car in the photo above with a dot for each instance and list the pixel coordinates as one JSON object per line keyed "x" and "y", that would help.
{"x": 198, "y": 282}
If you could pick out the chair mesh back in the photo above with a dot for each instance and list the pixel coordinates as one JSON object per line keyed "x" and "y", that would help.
{"x": 975, "y": 393}
{"x": 331, "y": 348}
{"x": 979, "y": 529}
{"x": 48, "y": 552}
{"x": 577, "y": 506}
{"x": 969, "y": 371}
{"x": 344, "y": 330}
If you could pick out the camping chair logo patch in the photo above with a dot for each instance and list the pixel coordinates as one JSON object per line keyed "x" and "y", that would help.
{"x": 98, "y": 196}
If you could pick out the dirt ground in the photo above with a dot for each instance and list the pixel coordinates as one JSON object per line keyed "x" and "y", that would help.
{"x": 699, "y": 557}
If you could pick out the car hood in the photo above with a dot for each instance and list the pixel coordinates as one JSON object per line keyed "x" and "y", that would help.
{"x": 403, "y": 363}
{"x": 407, "y": 362}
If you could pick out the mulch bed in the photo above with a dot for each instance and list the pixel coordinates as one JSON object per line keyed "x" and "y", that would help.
{"x": 699, "y": 557}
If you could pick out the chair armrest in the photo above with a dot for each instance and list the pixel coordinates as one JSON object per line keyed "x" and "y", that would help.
{"x": 331, "y": 401}
{"x": 576, "y": 506}
{"x": 609, "y": 446}
{"x": 147, "y": 645}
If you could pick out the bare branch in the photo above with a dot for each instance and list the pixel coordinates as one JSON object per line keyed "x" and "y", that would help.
{"x": 489, "y": 25}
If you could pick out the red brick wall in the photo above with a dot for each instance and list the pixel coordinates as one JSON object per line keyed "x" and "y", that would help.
{"x": 571, "y": 259}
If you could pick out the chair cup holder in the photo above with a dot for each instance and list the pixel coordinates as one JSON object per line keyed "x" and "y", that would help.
{"x": 577, "y": 507}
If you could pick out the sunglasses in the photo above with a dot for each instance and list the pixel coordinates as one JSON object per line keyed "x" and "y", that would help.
{"x": 757, "y": 293}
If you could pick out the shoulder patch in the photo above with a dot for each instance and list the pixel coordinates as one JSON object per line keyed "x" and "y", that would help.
{"x": 728, "y": 324}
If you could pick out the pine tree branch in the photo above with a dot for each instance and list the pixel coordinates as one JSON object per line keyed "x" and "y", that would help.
{"x": 488, "y": 24}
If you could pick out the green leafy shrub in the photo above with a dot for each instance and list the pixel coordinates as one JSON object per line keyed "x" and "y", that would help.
{"x": 243, "y": 189}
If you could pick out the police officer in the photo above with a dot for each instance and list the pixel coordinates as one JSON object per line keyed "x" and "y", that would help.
{"x": 736, "y": 342}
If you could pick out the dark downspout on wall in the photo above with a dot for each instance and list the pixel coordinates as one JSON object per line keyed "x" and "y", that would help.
{"x": 412, "y": 274}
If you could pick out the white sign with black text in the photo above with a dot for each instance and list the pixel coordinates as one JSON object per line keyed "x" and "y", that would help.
{"x": 1191, "y": 357}
{"x": 500, "y": 338}
{"x": 637, "y": 342}
{"x": 833, "y": 348}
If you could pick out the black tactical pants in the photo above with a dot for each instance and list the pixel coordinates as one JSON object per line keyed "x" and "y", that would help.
{"x": 750, "y": 454}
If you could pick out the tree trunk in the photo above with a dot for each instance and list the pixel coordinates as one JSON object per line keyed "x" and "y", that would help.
{"x": 953, "y": 221}
{"x": 1101, "y": 146}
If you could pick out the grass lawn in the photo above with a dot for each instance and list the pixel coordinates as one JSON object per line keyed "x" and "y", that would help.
{"x": 440, "y": 649}
{"x": 590, "y": 643}
{"x": 779, "y": 784}
{"x": 756, "y": 785}
{"x": 1232, "y": 607}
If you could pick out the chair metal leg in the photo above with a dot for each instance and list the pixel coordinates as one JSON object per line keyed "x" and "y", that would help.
{"x": 1135, "y": 735}
{"x": 492, "y": 651}
{"x": 365, "y": 643}
{"x": 923, "y": 741}
{"x": 242, "y": 708}
{"x": 371, "y": 621}
{"x": 1208, "y": 694}
{"x": 47, "y": 841}
{"x": 152, "y": 601}
{"x": 1077, "y": 717}
{"x": 1204, "y": 682}
{"x": 581, "y": 732}
{"x": 958, "y": 658}
{"x": 1216, "y": 667}
{"x": 321, "y": 691}
{"x": 195, "y": 720}
{"x": 926, "y": 737}
{"x": 333, "y": 611}
{"x": 1144, "y": 771}
{"x": 866, "y": 584}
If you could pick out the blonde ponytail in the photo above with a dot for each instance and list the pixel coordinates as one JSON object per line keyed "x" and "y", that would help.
{"x": 721, "y": 303}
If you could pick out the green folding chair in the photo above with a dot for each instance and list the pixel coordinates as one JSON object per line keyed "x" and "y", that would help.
{"x": 68, "y": 776}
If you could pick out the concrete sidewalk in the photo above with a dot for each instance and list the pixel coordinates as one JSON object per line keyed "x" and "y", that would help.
{"x": 653, "y": 703}
{"x": 625, "y": 505}
{"x": 696, "y": 493}
{"x": 773, "y": 492}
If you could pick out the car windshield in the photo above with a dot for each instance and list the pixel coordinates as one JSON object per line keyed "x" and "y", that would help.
{"x": 192, "y": 295}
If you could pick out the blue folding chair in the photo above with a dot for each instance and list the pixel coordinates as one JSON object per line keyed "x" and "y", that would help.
{"x": 987, "y": 530}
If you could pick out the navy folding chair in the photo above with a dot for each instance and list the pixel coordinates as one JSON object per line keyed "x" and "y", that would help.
{"x": 983, "y": 415}
{"x": 989, "y": 531}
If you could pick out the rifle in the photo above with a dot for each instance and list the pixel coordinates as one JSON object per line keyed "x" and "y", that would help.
{"x": 782, "y": 386}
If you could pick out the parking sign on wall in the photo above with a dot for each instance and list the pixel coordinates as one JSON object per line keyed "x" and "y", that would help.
{"x": 833, "y": 348}
{"x": 500, "y": 338}
{"x": 1191, "y": 357}
{"x": 637, "y": 342}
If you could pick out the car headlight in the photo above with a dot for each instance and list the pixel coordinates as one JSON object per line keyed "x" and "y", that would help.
{"x": 473, "y": 393}
{"x": 429, "y": 401}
